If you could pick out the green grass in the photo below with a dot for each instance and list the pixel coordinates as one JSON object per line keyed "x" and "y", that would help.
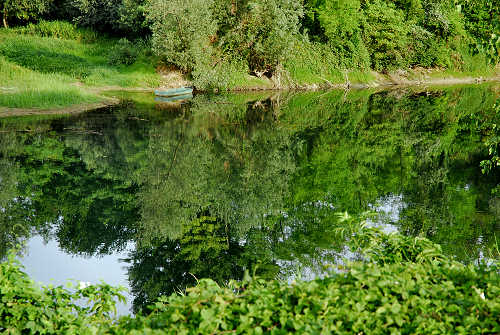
{"x": 25, "y": 88}
{"x": 51, "y": 72}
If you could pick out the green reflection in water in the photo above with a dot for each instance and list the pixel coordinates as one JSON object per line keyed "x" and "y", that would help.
{"x": 228, "y": 182}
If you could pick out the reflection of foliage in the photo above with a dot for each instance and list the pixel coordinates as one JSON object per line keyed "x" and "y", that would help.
{"x": 15, "y": 224}
{"x": 16, "y": 214}
{"x": 90, "y": 211}
{"x": 237, "y": 169}
{"x": 493, "y": 140}
{"x": 89, "y": 206}
{"x": 232, "y": 181}
{"x": 206, "y": 250}
{"x": 416, "y": 145}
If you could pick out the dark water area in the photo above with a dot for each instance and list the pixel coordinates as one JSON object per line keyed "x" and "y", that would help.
{"x": 153, "y": 195}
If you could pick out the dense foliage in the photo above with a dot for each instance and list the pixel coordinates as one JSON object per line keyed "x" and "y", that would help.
{"x": 405, "y": 285}
{"x": 22, "y": 10}
{"x": 219, "y": 40}
{"x": 482, "y": 20}
{"x": 382, "y": 35}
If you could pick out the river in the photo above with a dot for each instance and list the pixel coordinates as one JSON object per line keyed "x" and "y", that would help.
{"x": 152, "y": 195}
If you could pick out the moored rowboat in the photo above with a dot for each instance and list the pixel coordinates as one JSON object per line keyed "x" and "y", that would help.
{"x": 174, "y": 98}
{"x": 174, "y": 91}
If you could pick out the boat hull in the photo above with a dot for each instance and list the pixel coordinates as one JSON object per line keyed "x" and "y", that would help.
{"x": 174, "y": 92}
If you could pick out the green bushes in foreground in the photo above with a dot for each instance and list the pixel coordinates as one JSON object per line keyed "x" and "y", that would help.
{"x": 404, "y": 286}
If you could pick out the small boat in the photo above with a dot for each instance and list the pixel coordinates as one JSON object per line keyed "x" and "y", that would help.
{"x": 174, "y": 98}
{"x": 170, "y": 92}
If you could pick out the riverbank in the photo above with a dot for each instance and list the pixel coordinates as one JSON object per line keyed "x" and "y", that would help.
{"x": 47, "y": 75}
{"x": 372, "y": 79}
{"x": 382, "y": 81}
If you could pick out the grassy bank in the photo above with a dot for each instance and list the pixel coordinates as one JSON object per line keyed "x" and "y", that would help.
{"x": 56, "y": 65}
{"x": 51, "y": 72}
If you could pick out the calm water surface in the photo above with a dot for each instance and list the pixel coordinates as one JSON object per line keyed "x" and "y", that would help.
{"x": 150, "y": 195}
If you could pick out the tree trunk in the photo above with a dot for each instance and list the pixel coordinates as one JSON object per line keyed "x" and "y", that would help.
{"x": 4, "y": 19}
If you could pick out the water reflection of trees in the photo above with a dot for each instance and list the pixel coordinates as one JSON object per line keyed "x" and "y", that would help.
{"x": 230, "y": 182}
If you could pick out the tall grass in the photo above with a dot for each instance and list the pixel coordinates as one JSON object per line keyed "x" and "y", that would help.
{"x": 59, "y": 29}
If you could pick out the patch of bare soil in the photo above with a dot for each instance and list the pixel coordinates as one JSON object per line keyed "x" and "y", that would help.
{"x": 172, "y": 77}
{"x": 9, "y": 112}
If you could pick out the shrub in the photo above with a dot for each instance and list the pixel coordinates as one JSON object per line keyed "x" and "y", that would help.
{"x": 404, "y": 285}
{"x": 264, "y": 33}
{"x": 101, "y": 15}
{"x": 123, "y": 53}
{"x": 427, "y": 50}
{"x": 404, "y": 298}
{"x": 442, "y": 19}
{"x": 312, "y": 63}
{"x": 132, "y": 17}
{"x": 59, "y": 29}
{"x": 22, "y": 10}
{"x": 218, "y": 77}
{"x": 52, "y": 310}
{"x": 182, "y": 31}
{"x": 386, "y": 35}
{"x": 341, "y": 21}
{"x": 61, "y": 10}
{"x": 201, "y": 35}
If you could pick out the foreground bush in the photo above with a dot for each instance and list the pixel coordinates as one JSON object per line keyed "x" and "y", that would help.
{"x": 25, "y": 309}
{"x": 403, "y": 286}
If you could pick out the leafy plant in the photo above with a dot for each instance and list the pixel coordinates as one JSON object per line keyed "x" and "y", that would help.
{"x": 386, "y": 35}
{"x": 59, "y": 29}
{"x": 417, "y": 291}
{"x": 123, "y": 53}
{"x": 25, "y": 308}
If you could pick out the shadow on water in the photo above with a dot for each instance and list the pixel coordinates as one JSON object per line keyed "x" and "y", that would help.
{"x": 225, "y": 183}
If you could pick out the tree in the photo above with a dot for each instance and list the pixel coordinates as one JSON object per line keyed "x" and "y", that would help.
{"x": 22, "y": 10}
